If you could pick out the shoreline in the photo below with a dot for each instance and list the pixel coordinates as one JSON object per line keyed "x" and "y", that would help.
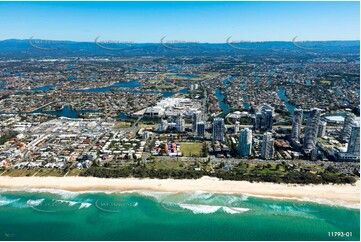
{"x": 340, "y": 195}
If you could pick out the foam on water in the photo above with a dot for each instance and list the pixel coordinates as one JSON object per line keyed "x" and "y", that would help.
{"x": 35, "y": 202}
{"x": 5, "y": 201}
{"x": 199, "y": 195}
{"x": 159, "y": 196}
{"x": 331, "y": 203}
{"x": 71, "y": 203}
{"x": 279, "y": 208}
{"x": 207, "y": 209}
{"x": 85, "y": 205}
{"x": 197, "y": 209}
{"x": 63, "y": 193}
{"x": 291, "y": 210}
{"x": 234, "y": 210}
{"x": 319, "y": 201}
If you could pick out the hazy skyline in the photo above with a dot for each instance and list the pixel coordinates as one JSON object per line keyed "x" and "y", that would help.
{"x": 212, "y": 22}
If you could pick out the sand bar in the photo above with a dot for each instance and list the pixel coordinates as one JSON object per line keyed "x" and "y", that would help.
{"x": 328, "y": 194}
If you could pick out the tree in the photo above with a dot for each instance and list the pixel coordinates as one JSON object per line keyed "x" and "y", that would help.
{"x": 350, "y": 179}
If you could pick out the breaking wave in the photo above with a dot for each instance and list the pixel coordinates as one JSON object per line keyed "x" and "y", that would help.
{"x": 6, "y": 201}
{"x": 207, "y": 209}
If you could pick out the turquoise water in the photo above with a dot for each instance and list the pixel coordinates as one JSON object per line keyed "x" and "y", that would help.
{"x": 282, "y": 95}
{"x": 44, "y": 88}
{"x": 66, "y": 112}
{"x": 246, "y": 104}
{"x": 226, "y": 82}
{"x": 222, "y": 104}
{"x": 131, "y": 84}
{"x": 185, "y": 75}
{"x": 60, "y": 215}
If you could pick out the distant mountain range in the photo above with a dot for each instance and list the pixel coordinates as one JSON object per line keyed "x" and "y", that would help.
{"x": 37, "y": 48}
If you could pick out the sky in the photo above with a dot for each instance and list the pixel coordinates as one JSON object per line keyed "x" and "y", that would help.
{"x": 148, "y": 22}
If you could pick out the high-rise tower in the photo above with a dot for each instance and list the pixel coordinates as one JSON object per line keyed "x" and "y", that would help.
{"x": 218, "y": 129}
{"x": 245, "y": 142}
{"x": 296, "y": 124}
{"x": 268, "y": 149}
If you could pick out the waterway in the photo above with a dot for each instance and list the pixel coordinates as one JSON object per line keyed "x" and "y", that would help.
{"x": 131, "y": 84}
{"x": 66, "y": 112}
{"x": 246, "y": 104}
{"x": 44, "y": 88}
{"x": 282, "y": 95}
{"x": 185, "y": 75}
{"x": 222, "y": 104}
{"x": 117, "y": 87}
{"x": 227, "y": 81}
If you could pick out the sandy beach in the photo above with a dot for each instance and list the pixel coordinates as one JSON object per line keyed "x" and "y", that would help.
{"x": 327, "y": 194}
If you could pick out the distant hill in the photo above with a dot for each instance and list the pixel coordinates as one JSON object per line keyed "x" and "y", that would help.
{"x": 36, "y": 48}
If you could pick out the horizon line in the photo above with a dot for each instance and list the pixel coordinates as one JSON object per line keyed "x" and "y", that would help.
{"x": 180, "y": 42}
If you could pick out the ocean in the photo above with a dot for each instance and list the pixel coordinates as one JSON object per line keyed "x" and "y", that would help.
{"x": 145, "y": 215}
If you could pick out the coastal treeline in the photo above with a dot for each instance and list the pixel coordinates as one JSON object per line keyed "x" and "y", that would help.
{"x": 289, "y": 177}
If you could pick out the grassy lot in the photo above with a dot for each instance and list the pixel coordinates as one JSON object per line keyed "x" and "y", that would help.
{"x": 153, "y": 81}
{"x": 74, "y": 172}
{"x": 52, "y": 172}
{"x": 143, "y": 125}
{"x": 122, "y": 124}
{"x": 20, "y": 172}
{"x": 264, "y": 169}
{"x": 174, "y": 164}
{"x": 168, "y": 164}
{"x": 191, "y": 149}
{"x": 166, "y": 87}
{"x": 325, "y": 82}
{"x": 323, "y": 141}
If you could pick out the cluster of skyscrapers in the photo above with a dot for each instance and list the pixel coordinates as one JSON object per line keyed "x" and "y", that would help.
{"x": 315, "y": 128}
{"x": 263, "y": 118}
